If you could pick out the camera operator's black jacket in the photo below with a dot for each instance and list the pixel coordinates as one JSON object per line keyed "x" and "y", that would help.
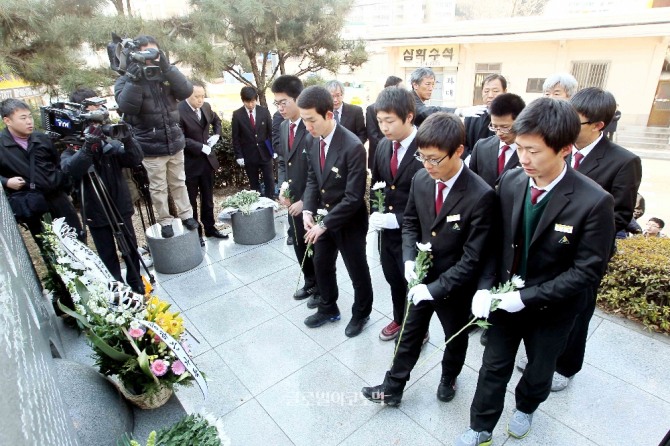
{"x": 14, "y": 162}
{"x": 108, "y": 167}
{"x": 150, "y": 107}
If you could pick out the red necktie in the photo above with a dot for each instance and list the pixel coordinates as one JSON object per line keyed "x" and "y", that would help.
{"x": 438, "y": 198}
{"x": 251, "y": 118}
{"x": 535, "y": 194}
{"x": 578, "y": 159}
{"x": 322, "y": 158}
{"x": 291, "y": 135}
{"x": 501, "y": 159}
{"x": 394, "y": 159}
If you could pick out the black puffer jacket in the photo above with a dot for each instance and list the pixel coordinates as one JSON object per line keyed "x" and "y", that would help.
{"x": 150, "y": 107}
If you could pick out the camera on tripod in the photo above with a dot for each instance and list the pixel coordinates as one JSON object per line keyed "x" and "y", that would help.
{"x": 68, "y": 121}
{"x": 123, "y": 52}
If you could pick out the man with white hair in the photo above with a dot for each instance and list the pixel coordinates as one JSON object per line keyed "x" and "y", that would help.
{"x": 560, "y": 86}
{"x": 348, "y": 115}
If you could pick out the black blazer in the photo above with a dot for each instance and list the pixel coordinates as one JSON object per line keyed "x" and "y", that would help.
{"x": 476, "y": 128}
{"x": 569, "y": 249}
{"x": 293, "y": 164}
{"x": 619, "y": 172}
{"x": 374, "y": 133}
{"x": 352, "y": 119}
{"x": 396, "y": 192}
{"x": 250, "y": 143}
{"x": 340, "y": 188}
{"x": 484, "y": 160}
{"x": 196, "y": 134}
{"x": 460, "y": 235}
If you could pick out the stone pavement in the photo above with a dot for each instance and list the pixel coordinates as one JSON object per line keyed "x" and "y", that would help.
{"x": 276, "y": 382}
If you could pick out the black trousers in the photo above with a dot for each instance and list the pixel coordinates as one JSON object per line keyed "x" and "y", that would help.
{"x": 297, "y": 228}
{"x": 572, "y": 359}
{"x": 452, "y": 317}
{"x": 59, "y": 206}
{"x": 350, "y": 242}
{"x": 204, "y": 185}
{"x": 105, "y": 243}
{"x": 265, "y": 169}
{"x": 394, "y": 270}
{"x": 544, "y": 338}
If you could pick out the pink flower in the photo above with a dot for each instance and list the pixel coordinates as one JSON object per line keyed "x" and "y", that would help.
{"x": 159, "y": 367}
{"x": 136, "y": 332}
{"x": 157, "y": 339}
{"x": 178, "y": 368}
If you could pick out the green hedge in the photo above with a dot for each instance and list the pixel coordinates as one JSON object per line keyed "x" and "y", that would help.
{"x": 229, "y": 173}
{"x": 637, "y": 283}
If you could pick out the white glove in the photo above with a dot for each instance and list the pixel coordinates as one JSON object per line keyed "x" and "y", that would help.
{"x": 471, "y": 112}
{"x": 206, "y": 149}
{"x": 213, "y": 140}
{"x": 240, "y": 161}
{"x": 383, "y": 221}
{"x": 481, "y": 304}
{"x": 510, "y": 302}
{"x": 419, "y": 293}
{"x": 275, "y": 156}
{"x": 409, "y": 271}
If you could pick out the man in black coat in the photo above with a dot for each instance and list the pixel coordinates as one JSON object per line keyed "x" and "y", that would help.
{"x": 477, "y": 127}
{"x": 454, "y": 211}
{"x": 395, "y": 165}
{"x": 372, "y": 127}
{"x": 150, "y": 107}
{"x": 200, "y": 162}
{"x": 557, "y": 232}
{"x": 252, "y": 133}
{"x": 347, "y": 115}
{"x": 336, "y": 184}
{"x": 495, "y": 155}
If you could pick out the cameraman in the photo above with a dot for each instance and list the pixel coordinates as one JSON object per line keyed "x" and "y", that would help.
{"x": 150, "y": 107}
{"x": 107, "y": 157}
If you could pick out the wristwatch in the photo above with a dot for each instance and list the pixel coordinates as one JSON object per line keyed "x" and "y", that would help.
{"x": 322, "y": 225}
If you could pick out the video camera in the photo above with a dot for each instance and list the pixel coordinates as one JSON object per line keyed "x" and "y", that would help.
{"x": 123, "y": 52}
{"x": 69, "y": 121}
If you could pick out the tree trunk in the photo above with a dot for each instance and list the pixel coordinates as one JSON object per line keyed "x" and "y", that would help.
{"x": 118, "y": 4}
{"x": 128, "y": 10}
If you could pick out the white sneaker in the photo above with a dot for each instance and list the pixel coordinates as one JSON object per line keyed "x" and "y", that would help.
{"x": 519, "y": 425}
{"x": 559, "y": 382}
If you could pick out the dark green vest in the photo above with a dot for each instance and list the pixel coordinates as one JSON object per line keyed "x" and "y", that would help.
{"x": 531, "y": 217}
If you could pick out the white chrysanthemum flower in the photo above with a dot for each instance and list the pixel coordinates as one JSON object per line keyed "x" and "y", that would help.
{"x": 284, "y": 185}
{"x": 518, "y": 282}
{"x": 379, "y": 185}
{"x": 110, "y": 318}
{"x": 80, "y": 309}
{"x": 425, "y": 247}
{"x": 134, "y": 325}
{"x": 120, "y": 320}
{"x": 322, "y": 212}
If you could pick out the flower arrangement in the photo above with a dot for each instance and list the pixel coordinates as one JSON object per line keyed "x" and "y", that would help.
{"x": 190, "y": 430}
{"x": 242, "y": 201}
{"x": 309, "y": 250}
{"x": 378, "y": 202}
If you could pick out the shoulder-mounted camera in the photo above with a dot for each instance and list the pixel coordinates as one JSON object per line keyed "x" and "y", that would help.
{"x": 124, "y": 51}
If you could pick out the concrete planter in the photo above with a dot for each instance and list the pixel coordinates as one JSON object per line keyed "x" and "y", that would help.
{"x": 253, "y": 229}
{"x": 177, "y": 254}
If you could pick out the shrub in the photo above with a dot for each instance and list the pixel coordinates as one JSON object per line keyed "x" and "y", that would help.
{"x": 229, "y": 173}
{"x": 637, "y": 282}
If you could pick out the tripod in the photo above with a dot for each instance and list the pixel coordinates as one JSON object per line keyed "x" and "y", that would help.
{"x": 141, "y": 180}
{"x": 115, "y": 220}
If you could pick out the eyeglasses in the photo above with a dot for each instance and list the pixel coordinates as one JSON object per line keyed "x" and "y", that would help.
{"x": 420, "y": 158}
{"x": 587, "y": 122}
{"x": 283, "y": 103}
{"x": 503, "y": 130}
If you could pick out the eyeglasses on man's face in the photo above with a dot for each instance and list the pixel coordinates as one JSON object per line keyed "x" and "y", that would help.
{"x": 502, "y": 129}
{"x": 433, "y": 162}
{"x": 283, "y": 103}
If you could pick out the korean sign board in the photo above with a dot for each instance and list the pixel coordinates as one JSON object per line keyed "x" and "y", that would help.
{"x": 429, "y": 56}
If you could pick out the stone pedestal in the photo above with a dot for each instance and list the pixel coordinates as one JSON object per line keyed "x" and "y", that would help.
{"x": 253, "y": 229}
{"x": 176, "y": 254}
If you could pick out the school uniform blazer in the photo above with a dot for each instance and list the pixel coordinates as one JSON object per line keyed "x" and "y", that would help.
{"x": 352, "y": 119}
{"x": 397, "y": 189}
{"x": 249, "y": 143}
{"x": 196, "y": 134}
{"x": 619, "y": 172}
{"x": 460, "y": 234}
{"x": 293, "y": 164}
{"x": 476, "y": 128}
{"x": 340, "y": 189}
{"x": 569, "y": 249}
{"x": 484, "y": 160}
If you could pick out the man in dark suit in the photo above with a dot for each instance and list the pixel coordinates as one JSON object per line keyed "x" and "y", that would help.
{"x": 348, "y": 116}
{"x": 252, "y": 133}
{"x": 454, "y": 210}
{"x": 493, "y": 156}
{"x": 557, "y": 231}
{"x": 336, "y": 184}
{"x": 372, "y": 127}
{"x": 293, "y": 144}
{"x": 200, "y": 163}
{"x": 477, "y": 127}
{"x": 395, "y": 165}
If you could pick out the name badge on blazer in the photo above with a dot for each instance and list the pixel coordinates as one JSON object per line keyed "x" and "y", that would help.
{"x": 455, "y": 217}
{"x": 563, "y": 228}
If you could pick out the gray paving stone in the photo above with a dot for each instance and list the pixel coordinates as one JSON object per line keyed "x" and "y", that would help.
{"x": 546, "y": 431}
{"x": 390, "y": 427}
{"x": 277, "y": 289}
{"x": 320, "y": 404}
{"x": 268, "y": 353}
{"x": 256, "y": 264}
{"x": 201, "y": 285}
{"x": 250, "y": 424}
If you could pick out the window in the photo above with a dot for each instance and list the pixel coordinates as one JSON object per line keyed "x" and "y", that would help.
{"x": 590, "y": 74}
{"x": 481, "y": 71}
{"x": 534, "y": 84}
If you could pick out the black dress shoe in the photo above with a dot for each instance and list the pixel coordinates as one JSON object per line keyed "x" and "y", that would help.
{"x": 202, "y": 241}
{"x": 190, "y": 223}
{"x": 447, "y": 389}
{"x": 304, "y": 292}
{"x": 381, "y": 395}
{"x": 167, "y": 231}
{"x": 355, "y": 327}
{"x": 318, "y": 319}
{"x": 289, "y": 240}
{"x": 313, "y": 301}
{"x": 216, "y": 234}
